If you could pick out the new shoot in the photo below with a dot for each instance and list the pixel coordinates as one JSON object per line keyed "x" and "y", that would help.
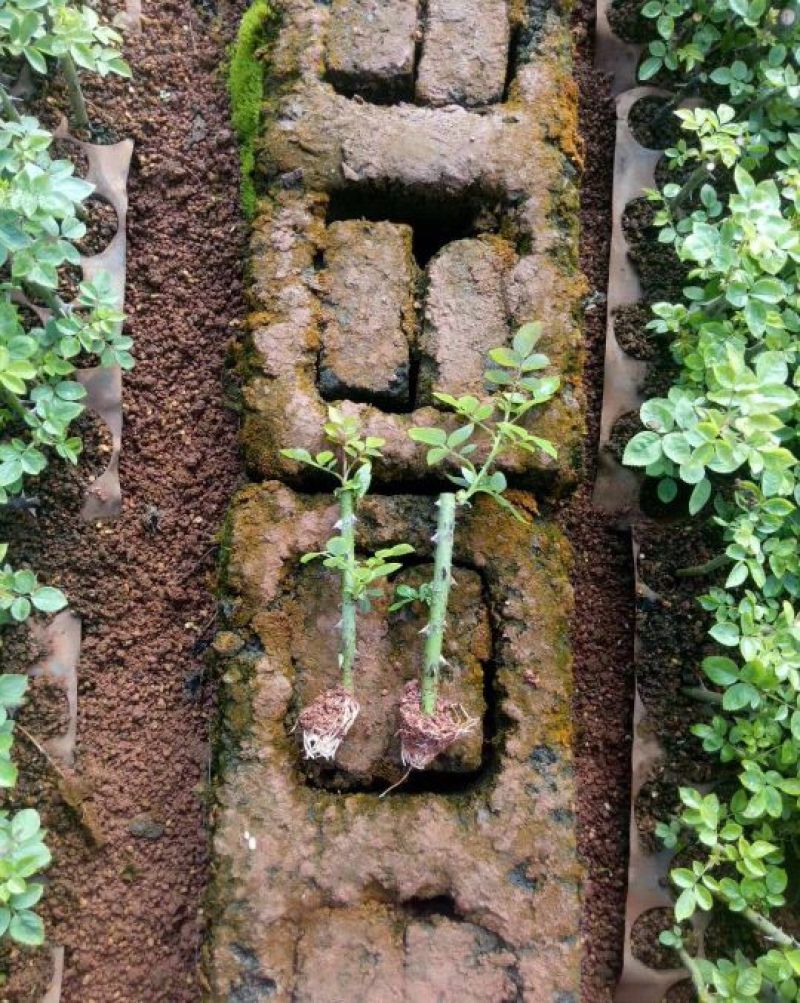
{"x": 325, "y": 722}
{"x": 428, "y": 724}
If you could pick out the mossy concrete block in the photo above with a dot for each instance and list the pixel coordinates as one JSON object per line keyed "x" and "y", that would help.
{"x": 368, "y": 321}
{"x": 455, "y": 892}
{"x": 285, "y": 405}
{"x": 464, "y": 52}
{"x": 371, "y": 47}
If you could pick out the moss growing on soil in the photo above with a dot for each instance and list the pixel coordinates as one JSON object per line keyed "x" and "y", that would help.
{"x": 246, "y": 88}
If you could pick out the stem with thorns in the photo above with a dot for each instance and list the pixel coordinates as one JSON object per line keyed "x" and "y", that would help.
{"x": 440, "y": 594}
{"x": 348, "y": 644}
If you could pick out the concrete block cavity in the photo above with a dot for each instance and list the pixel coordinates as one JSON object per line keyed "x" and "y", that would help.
{"x": 371, "y": 48}
{"x": 368, "y": 317}
{"x": 464, "y": 53}
{"x": 389, "y": 656}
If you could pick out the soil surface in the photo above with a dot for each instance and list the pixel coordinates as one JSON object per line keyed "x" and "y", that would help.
{"x": 129, "y": 909}
{"x": 602, "y": 629}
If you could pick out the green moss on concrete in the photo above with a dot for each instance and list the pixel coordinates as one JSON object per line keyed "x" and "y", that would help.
{"x": 246, "y": 89}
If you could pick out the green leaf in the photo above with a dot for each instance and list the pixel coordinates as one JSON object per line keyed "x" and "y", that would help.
{"x": 642, "y": 450}
{"x": 685, "y": 905}
{"x": 429, "y": 436}
{"x": 48, "y": 600}
{"x": 27, "y": 928}
{"x": 720, "y": 670}
{"x": 699, "y": 496}
{"x": 12, "y": 689}
{"x": 25, "y": 824}
{"x": 726, "y": 634}
{"x": 526, "y": 338}
{"x": 505, "y": 357}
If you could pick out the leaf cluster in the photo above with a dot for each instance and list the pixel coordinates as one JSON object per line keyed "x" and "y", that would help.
{"x": 728, "y": 430}
{"x": 495, "y": 424}
{"x": 42, "y": 30}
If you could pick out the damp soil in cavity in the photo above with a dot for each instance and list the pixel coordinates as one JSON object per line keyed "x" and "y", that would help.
{"x": 661, "y": 273}
{"x": 439, "y": 779}
{"x": 127, "y": 910}
{"x": 628, "y": 23}
{"x": 100, "y": 220}
{"x": 653, "y": 123}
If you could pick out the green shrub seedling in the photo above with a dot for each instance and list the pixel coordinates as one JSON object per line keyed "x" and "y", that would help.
{"x": 327, "y": 720}
{"x": 428, "y": 725}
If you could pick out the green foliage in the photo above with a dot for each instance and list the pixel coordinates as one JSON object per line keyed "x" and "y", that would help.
{"x": 40, "y": 202}
{"x": 23, "y": 853}
{"x": 246, "y": 88}
{"x": 40, "y": 223}
{"x": 39, "y": 30}
{"x": 21, "y": 593}
{"x": 498, "y": 422}
{"x": 734, "y": 413}
{"x": 496, "y": 427}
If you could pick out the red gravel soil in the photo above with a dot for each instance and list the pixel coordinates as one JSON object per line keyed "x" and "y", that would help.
{"x": 602, "y": 631}
{"x": 129, "y": 911}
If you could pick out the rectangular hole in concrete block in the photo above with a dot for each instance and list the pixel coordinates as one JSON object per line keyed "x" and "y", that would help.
{"x": 435, "y": 221}
{"x": 360, "y": 287}
{"x": 390, "y": 651}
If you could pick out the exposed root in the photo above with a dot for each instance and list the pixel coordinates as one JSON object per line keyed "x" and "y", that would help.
{"x": 424, "y": 736}
{"x": 326, "y": 721}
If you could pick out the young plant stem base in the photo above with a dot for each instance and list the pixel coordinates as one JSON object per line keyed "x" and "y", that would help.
{"x": 326, "y": 721}
{"x": 423, "y": 736}
{"x": 77, "y": 102}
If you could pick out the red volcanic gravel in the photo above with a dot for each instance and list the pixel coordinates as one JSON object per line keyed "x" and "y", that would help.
{"x": 602, "y": 631}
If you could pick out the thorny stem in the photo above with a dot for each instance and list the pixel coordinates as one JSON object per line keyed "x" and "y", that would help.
{"x": 348, "y": 646}
{"x": 702, "y": 694}
{"x": 440, "y": 593}
{"x": 76, "y": 98}
{"x": 769, "y": 930}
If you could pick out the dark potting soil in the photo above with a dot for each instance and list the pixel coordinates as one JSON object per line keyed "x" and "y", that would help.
{"x": 101, "y": 226}
{"x": 626, "y": 20}
{"x": 653, "y": 123}
{"x": 128, "y": 909}
{"x": 630, "y": 330}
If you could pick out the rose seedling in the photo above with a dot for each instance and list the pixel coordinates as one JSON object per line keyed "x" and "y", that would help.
{"x": 328, "y": 719}
{"x": 429, "y": 725}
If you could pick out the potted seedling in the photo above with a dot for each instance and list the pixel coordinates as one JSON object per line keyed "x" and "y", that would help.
{"x": 428, "y": 724}
{"x": 325, "y": 722}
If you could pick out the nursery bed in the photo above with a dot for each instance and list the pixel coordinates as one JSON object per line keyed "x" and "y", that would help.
{"x": 129, "y": 911}
{"x": 126, "y": 895}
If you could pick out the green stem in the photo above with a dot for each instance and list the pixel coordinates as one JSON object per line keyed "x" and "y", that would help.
{"x": 697, "y": 979}
{"x": 7, "y": 104}
{"x": 699, "y": 570}
{"x": 440, "y": 593}
{"x": 348, "y": 647}
{"x": 768, "y": 929}
{"x": 76, "y": 99}
{"x": 702, "y": 694}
